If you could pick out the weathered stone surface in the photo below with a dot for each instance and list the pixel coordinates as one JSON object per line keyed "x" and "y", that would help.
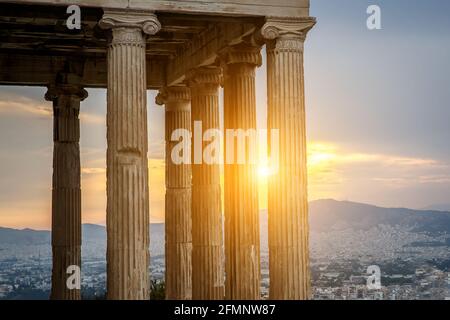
{"x": 288, "y": 199}
{"x": 66, "y": 192}
{"x": 242, "y": 243}
{"x": 127, "y": 218}
{"x": 178, "y": 218}
{"x": 225, "y": 7}
{"x": 33, "y": 70}
{"x": 207, "y": 236}
{"x": 136, "y": 57}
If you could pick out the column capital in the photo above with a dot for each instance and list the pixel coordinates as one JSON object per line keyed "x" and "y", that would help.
{"x": 145, "y": 21}
{"x": 172, "y": 94}
{"x": 204, "y": 76}
{"x": 293, "y": 27}
{"x": 242, "y": 53}
{"x": 55, "y": 91}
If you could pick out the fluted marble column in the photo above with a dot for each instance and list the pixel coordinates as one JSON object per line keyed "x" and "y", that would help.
{"x": 242, "y": 243}
{"x": 178, "y": 197}
{"x": 288, "y": 200}
{"x": 66, "y": 193}
{"x": 127, "y": 219}
{"x": 207, "y": 233}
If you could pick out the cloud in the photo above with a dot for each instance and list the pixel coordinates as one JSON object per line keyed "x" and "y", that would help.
{"x": 93, "y": 170}
{"x": 92, "y": 118}
{"x": 23, "y": 106}
{"x": 335, "y": 172}
{"x": 323, "y": 153}
{"x": 435, "y": 179}
{"x": 398, "y": 161}
{"x": 415, "y": 180}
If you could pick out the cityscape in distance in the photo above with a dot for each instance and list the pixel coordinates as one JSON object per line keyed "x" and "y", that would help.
{"x": 411, "y": 247}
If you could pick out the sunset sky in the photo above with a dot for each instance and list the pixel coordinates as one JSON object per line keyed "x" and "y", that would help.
{"x": 378, "y": 113}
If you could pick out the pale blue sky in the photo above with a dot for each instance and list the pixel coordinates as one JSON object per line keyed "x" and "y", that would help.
{"x": 385, "y": 89}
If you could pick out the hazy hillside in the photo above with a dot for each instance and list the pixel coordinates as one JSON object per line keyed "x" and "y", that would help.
{"x": 91, "y": 233}
{"x": 25, "y": 236}
{"x": 345, "y": 238}
{"x": 438, "y": 207}
{"x": 325, "y": 216}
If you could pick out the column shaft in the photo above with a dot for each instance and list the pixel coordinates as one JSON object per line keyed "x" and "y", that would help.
{"x": 66, "y": 193}
{"x": 207, "y": 229}
{"x": 242, "y": 243}
{"x": 288, "y": 200}
{"x": 178, "y": 198}
{"x": 127, "y": 218}
{"x": 127, "y": 170}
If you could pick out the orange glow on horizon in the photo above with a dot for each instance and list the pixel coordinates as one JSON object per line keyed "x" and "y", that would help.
{"x": 332, "y": 173}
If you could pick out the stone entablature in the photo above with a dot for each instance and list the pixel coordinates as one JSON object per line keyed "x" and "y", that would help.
{"x": 281, "y": 8}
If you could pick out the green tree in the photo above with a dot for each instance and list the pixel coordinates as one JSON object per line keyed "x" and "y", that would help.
{"x": 158, "y": 290}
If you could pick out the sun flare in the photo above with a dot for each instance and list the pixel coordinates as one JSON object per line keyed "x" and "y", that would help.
{"x": 265, "y": 171}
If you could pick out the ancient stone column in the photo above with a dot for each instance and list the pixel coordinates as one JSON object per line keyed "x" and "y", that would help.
{"x": 127, "y": 219}
{"x": 177, "y": 102}
{"x": 242, "y": 243}
{"x": 288, "y": 200}
{"x": 66, "y": 193}
{"x": 207, "y": 230}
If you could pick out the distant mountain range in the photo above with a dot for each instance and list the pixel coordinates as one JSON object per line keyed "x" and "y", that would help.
{"x": 325, "y": 215}
{"x": 91, "y": 233}
{"x": 438, "y": 207}
{"x": 24, "y": 236}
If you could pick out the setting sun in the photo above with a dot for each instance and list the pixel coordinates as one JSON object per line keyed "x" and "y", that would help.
{"x": 264, "y": 171}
